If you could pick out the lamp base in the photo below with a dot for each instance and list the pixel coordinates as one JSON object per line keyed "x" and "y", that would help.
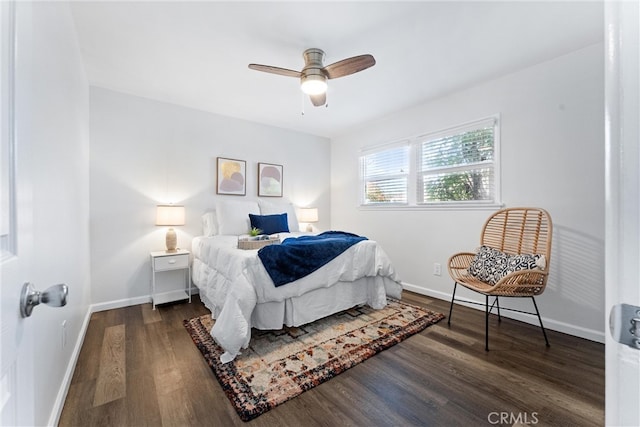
{"x": 309, "y": 228}
{"x": 171, "y": 240}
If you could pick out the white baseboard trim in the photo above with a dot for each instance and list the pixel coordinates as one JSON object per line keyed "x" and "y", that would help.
{"x": 110, "y": 305}
{"x": 54, "y": 419}
{"x": 565, "y": 328}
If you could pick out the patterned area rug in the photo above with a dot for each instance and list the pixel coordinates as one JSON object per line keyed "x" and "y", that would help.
{"x": 279, "y": 365}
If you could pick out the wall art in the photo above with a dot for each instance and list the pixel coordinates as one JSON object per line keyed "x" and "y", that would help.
{"x": 269, "y": 180}
{"x": 231, "y": 177}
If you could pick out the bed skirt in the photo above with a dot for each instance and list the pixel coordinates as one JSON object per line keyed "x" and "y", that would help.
{"x": 316, "y": 304}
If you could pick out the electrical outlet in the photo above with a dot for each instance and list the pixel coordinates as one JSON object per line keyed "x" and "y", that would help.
{"x": 437, "y": 269}
{"x": 64, "y": 333}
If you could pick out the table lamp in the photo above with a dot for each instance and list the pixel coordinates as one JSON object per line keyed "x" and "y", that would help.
{"x": 170, "y": 215}
{"x": 308, "y": 215}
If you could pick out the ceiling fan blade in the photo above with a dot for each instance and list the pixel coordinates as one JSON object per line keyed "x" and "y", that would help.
{"x": 349, "y": 66}
{"x": 275, "y": 70}
{"x": 318, "y": 100}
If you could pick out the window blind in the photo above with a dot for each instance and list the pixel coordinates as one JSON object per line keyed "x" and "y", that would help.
{"x": 457, "y": 166}
{"x": 385, "y": 175}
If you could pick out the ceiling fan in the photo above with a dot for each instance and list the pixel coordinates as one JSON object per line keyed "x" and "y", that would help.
{"x": 314, "y": 75}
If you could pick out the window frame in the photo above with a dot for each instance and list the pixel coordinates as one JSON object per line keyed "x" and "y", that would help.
{"x": 414, "y": 143}
{"x": 363, "y": 179}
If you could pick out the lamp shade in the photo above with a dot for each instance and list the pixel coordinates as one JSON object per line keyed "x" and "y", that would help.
{"x": 308, "y": 215}
{"x": 170, "y": 215}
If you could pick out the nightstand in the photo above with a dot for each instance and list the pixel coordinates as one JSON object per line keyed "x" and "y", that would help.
{"x": 162, "y": 261}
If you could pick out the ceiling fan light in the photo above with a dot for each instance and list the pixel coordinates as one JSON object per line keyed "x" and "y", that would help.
{"x": 314, "y": 85}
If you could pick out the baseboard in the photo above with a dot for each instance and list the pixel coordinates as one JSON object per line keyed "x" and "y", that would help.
{"x": 54, "y": 419}
{"x": 554, "y": 325}
{"x": 110, "y": 305}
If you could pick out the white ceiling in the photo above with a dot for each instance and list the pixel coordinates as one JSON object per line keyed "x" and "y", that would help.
{"x": 196, "y": 54}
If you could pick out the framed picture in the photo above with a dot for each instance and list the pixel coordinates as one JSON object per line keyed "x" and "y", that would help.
{"x": 231, "y": 177}
{"x": 269, "y": 180}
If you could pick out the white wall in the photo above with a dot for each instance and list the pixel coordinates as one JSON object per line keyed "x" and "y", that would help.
{"x": 59, "y": 96}
{"x": 552, "y": 127}
{"x": 145, "y": 152}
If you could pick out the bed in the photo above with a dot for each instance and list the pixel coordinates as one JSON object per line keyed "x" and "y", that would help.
{"x": 234, "y": 284}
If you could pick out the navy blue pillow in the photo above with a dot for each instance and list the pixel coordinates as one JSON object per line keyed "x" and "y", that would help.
{"x": 270, "y": 224}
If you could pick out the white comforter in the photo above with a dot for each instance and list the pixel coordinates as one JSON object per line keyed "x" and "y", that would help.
{"x": 238, "y": 281}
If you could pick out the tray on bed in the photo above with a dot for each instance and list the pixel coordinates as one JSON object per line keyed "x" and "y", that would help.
{"x": 257, "y": 244}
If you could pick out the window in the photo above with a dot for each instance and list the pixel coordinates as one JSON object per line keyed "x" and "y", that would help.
{"x": 457, "y": 166}
{"x": 385, "y": 175}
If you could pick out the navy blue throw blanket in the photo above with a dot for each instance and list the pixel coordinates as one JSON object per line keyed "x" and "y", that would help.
{"x": 297, "y": 257}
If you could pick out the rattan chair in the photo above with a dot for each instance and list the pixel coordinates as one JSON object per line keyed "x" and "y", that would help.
{"x": 513, "y": 231}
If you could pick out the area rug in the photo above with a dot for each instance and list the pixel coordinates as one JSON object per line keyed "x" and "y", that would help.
{"x": 280, "y": 365}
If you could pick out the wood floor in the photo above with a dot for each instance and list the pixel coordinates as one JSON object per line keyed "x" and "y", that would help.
{"x": 139, "y": 367}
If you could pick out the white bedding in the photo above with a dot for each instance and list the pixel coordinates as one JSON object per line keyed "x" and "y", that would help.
{"x": 234, "y": 282}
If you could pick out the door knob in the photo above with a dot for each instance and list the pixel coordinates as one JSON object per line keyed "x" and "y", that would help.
{"x": 624, "y": 323}
{"x": 55, "y": 296}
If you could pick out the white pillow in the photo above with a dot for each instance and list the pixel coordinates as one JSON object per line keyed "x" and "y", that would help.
{"x": 268, "y": 208}
{"x": 209, "y": 224}
{"x": 233, "y": 217}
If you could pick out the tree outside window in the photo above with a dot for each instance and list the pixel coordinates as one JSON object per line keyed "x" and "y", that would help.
{"x": 457, "y": 166}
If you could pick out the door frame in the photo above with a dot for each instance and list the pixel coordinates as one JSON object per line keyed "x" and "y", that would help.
{"x": 622, "y": 202}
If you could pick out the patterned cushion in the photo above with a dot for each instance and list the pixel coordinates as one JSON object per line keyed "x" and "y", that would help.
{"x": 490, "y": 265}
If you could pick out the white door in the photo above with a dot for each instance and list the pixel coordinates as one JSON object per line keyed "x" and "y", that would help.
{"x": 16, "y": 357}
{"x": 622, "y": 134}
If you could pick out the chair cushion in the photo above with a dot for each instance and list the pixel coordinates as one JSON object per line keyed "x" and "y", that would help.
{"x": 490, "y": 265}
